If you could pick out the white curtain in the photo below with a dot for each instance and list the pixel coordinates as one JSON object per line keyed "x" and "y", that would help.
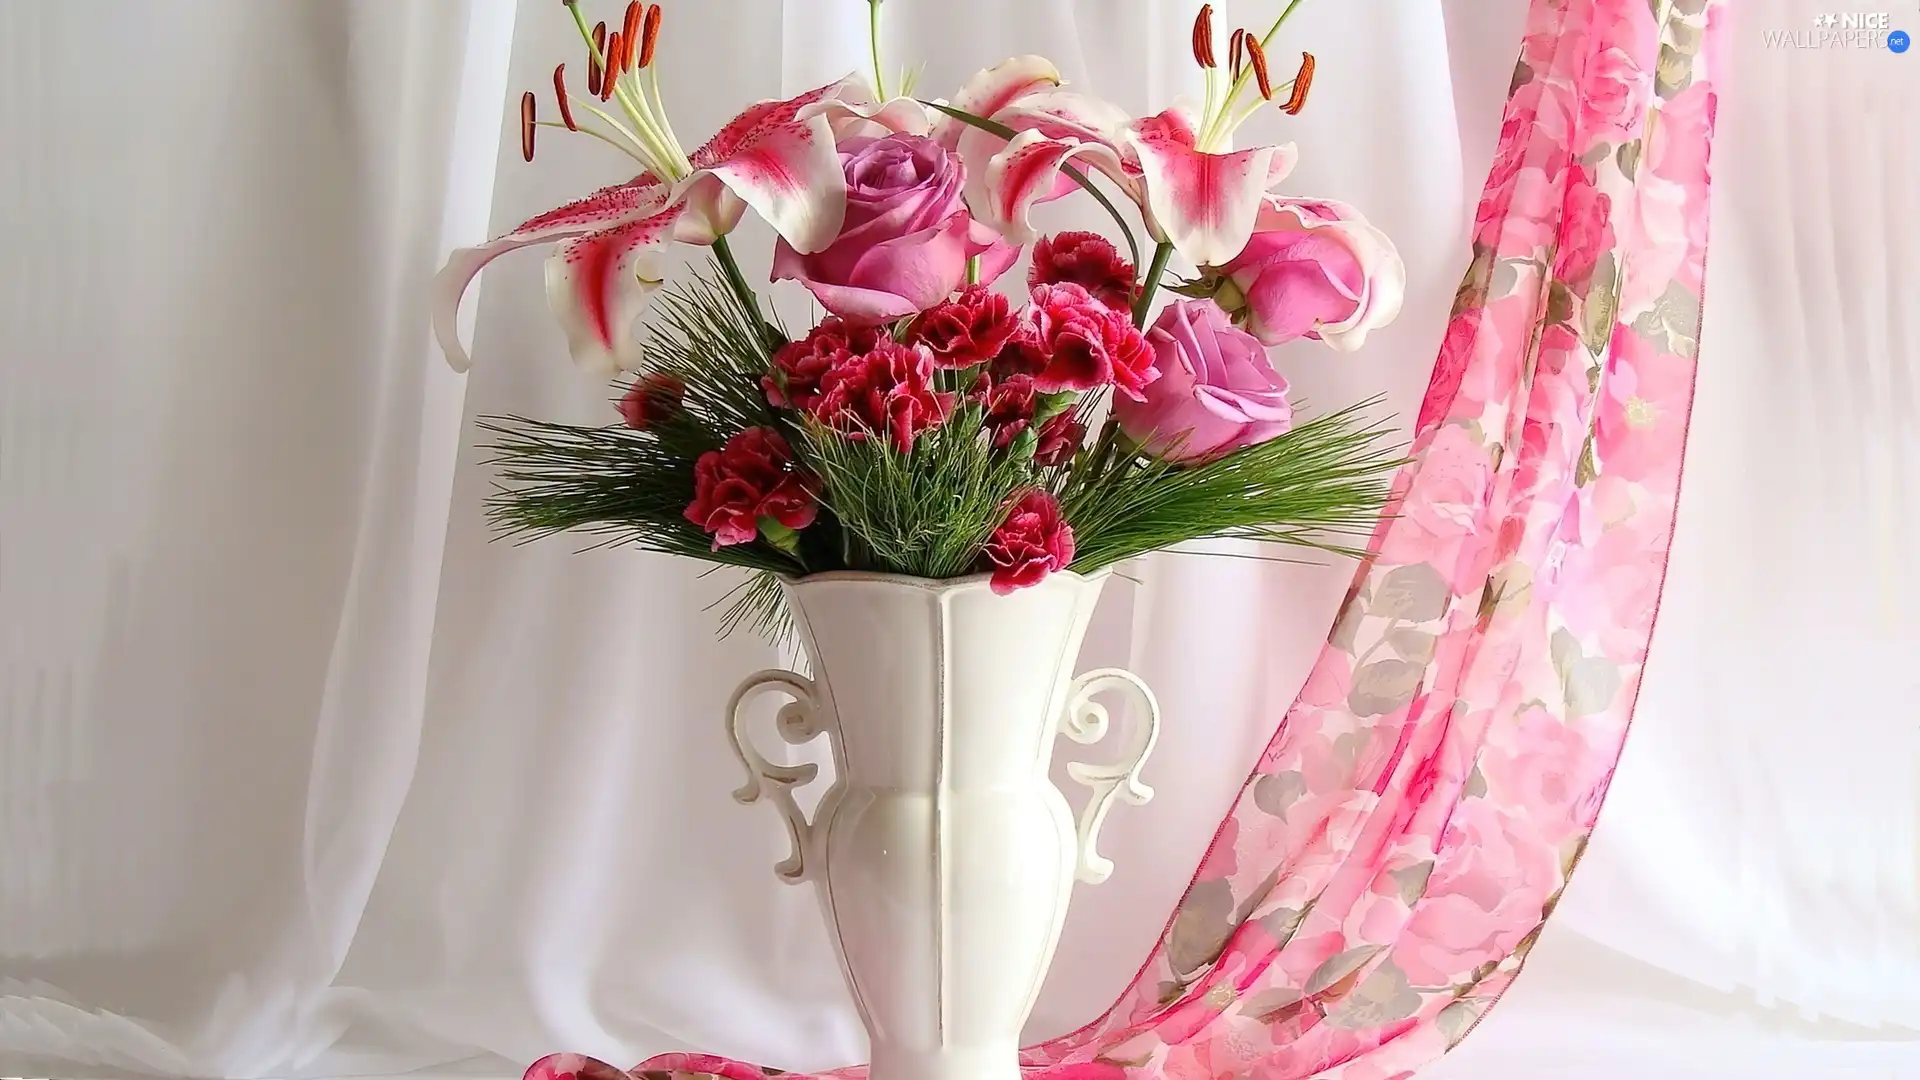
{"x": 300, "y": 775}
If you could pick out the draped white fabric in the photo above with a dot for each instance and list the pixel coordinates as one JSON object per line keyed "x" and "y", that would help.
{"x": 302, "y": 776}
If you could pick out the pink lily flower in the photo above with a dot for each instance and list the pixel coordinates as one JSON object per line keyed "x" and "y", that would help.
{"x": 777, "y": 157}
{"x": 1193, "y": 191}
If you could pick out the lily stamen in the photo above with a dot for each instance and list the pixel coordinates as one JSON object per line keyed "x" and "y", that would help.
{"x": 1236, "y": 54}
{"x": 630, "y": 32}
{"x": 649, "y": 36}
{"x": 560, "y": 97}
{"x": 611, "y": 80}
{"x": 595, "y": 71}
{"x": 529, "y": 109}
{"x": 1203, "y": 38}
{"x": 1298, "y": 100}
{"x": 1258, "y": 57}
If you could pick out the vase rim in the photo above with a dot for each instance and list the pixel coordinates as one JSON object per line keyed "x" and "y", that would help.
{"x": 957, "y": 584}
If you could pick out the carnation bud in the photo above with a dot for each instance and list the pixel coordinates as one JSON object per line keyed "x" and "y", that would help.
{"x": 787, "y": 540}
{"x": 1048, "y": 406}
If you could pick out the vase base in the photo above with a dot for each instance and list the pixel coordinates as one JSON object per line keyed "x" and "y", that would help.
{"x": 960, "y": 1063}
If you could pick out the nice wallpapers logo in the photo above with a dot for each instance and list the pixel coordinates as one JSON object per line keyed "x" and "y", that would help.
{"x": 1844, "y": 30}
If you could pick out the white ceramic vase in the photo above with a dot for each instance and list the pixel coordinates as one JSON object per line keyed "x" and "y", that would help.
{"x": 943, "y": 854}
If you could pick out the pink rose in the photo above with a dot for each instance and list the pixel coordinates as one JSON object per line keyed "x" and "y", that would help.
{"x": 1082, "y": 344}
{"x": 1493, "y": 877}
{"x": 1317, "y": 269}
{"x": 652, "y": 400}
{"x": 753, "y": 477}
{"x": 1088, "y": 260}
{"x": 1217, "y": 391}
{"x": 1033, "y": 541}
{"x": 1618, "y": 83}
{"x": 1442, "y": 512}
{"x": 907, "y": 237}
{"x": 967, "y": 330}
{"x": 888, "y": 392}
{"x": 1449, "y": 369}
{"x": 1586, "y": 233}
{"x": 1544, "y": 767}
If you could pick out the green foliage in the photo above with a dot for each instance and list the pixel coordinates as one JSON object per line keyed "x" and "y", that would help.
{"x": 1324, "y": 480}
{"x": 625, "y": 486}
{"x": 703, "y": 334}
{"x": 926, "y": 513}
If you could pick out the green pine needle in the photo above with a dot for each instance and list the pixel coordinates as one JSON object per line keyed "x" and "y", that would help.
{"x": 1321, "y": 481}
{"x": 927, "y": 513}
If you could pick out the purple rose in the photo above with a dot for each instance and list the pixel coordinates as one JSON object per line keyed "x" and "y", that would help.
{"x": 907, "y": 237}
{"x": 1216, "y": 392}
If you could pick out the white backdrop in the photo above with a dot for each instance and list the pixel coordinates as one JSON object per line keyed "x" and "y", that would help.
{"x": 301, "y": 776}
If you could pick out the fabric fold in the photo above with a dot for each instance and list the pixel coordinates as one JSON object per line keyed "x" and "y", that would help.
{"x": 1410, "y": 827}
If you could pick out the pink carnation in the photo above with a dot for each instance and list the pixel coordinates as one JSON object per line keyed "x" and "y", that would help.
{"x": 1011, "y": 404}
{"x": 1087, "y": 344}
{"x": 967, "y": 330}
{"x": 1088, "y": 260}
{"x": 1033, "y": 541}
{"x": 1060, "y": 439}
{"x": 753, "y": 477}
{"x": 652, "y": 400}
{"x": 887, "y": 391}
{"x": 799, "y": 366}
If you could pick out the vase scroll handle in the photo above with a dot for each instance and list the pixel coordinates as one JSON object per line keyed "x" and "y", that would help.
{"x": 798, "y": 722}
{"x": 1086, "y": 722}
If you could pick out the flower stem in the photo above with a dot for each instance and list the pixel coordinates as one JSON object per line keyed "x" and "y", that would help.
{"x": 1151, "y": 283}
{"x": 873, "y": 45}
{"x": 735, "y": 278}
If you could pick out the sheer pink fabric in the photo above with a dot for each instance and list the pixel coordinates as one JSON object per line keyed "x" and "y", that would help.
{"x": 1392, "y": 858}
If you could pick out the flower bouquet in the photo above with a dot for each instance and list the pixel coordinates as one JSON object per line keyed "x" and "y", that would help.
{"x": 932, "y": 479}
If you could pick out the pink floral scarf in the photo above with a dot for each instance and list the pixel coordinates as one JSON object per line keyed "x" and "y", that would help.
{"x": 1392, "y": 859}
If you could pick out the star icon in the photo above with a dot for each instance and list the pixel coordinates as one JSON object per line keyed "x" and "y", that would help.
{"x": 1832, "y": 19}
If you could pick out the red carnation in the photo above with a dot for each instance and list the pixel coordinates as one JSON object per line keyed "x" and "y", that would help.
{"x": 1087, "y": 343}
{"x": 1088, "y": 260}
{"x": 1021, "y": 355}
{"x": 798, "y": 366}
{"x": 888, "y": 390}
{"x": 1011, "y": 403}
{"x": 752, "y": 478}
{"x": 1031, "y": 543}
{"x": 652, "y": 400}
{"x": 966, "y": 330}
{"x": 1060, "y": 438}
